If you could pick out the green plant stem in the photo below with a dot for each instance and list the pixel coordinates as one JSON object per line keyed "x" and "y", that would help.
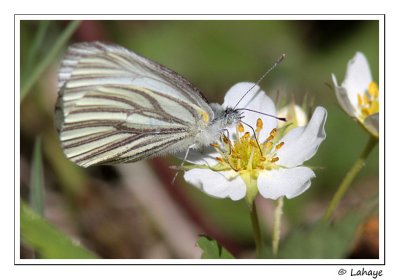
{"x": 256, "y": 230}
{"x": 37, "y": 179}
{"x": 51, "y": 55}
{"x": 348, "y": 179}
{"x": 277, "y": 225}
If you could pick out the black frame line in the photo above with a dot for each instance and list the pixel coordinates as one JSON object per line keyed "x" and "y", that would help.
{"x": 219, "y": 264}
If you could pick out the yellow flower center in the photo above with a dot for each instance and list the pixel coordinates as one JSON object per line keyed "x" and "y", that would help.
{"x": 246, "y": 153}
{"x": 368, "y": 103}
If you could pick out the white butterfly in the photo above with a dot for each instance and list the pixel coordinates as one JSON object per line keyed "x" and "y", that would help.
{"x": 115, "y": 106}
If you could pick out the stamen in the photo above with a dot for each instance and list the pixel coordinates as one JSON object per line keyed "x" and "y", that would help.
{"x": 359, "y": 99}
{"x": 368, "y": 103}
{"x": 246, "y": 153}
{"x": 270, "y": 137}
{"x": 366, "y": 111}
{"x": 250, "y": 162}
{"x": 221, "y": 160}
{"x": 375, "y": 106}
{"x": 215, "y": 145}
{"x": 277, "y": 147}
{"x": 267, "y": 145}
{"x": 366, "y": 99}
{"x": 225, "y": 139}
{"x": 373, "y": 89}
{"x": 259, "y": 125}
{"x": 275, "y": 159}
{"x": 253, "y": 143}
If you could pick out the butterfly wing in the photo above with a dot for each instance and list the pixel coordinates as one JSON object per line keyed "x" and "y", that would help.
{"x": 116, "y": 106}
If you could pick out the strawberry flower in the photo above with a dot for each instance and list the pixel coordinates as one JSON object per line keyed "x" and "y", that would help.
{"x": 359, "y": 94}
{"x": 269, "y": 162}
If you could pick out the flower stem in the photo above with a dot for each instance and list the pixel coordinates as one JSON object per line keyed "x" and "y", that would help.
{"x": 277, "y": 225}
{"x": 256, "y": 230}
{"x": 348, "y": 179}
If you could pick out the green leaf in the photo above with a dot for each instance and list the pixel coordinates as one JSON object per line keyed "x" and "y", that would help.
{"x": 212, "y": 249}
{"x": 33, "y": 50}
{"x": 325, "y": 240}
{"x": 51, "y": 55}
{"x": 47, "y": 240}
{"x": 37, "y": 181}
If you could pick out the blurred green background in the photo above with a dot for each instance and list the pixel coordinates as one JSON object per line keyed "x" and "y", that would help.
{"x": 98, "y": 207}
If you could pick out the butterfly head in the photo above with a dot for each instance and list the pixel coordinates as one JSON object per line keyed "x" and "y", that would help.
{"x": 232, "y": 116}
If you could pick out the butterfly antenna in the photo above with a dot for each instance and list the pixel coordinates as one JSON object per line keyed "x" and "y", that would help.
{"x": 261, "y": 113}
{"x": 277, "y": 62}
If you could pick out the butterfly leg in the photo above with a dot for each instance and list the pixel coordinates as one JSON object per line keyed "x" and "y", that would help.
{"x": 182, "y": 163}
{"x": 255, "y": 136}
{"x": 225, "y": 139}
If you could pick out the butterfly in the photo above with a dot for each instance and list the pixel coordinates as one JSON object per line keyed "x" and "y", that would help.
{"x": 115, "y": 106}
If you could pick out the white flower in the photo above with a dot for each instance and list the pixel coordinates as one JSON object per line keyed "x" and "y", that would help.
{"x": 359, "y": 95}
{"x": 242, "y": 166}
{"x": 293, "y": 114}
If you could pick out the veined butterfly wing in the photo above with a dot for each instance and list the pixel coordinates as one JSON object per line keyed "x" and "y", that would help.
{"x": 116, "y": 106}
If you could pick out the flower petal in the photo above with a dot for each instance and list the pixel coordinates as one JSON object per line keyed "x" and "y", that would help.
{"x": 358, "y": 77}
{"x": 205, "y": 155}
{"x": 256, "y": 100}
{"x": 285, "y": 182}
{"x": 217, "y": 184}
{"x": 343, "y": 98}
{"x": 371, "y": 123}
{"x": 302, "y": 143}
{"x": 293, "y": 114}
